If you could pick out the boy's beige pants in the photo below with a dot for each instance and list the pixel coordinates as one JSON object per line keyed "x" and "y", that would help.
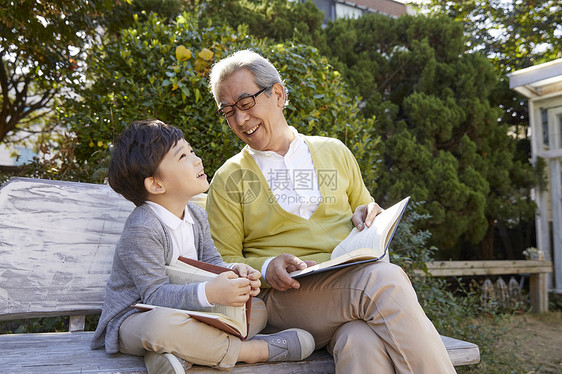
{"x": 167, "y": 331}
{"x": 367, "y": 315}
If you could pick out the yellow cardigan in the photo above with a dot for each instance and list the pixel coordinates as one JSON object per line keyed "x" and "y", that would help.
{"x": 248, "y": 225}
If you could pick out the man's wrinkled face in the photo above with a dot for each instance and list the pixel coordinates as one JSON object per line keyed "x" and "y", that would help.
{"x": 259, "y": 126}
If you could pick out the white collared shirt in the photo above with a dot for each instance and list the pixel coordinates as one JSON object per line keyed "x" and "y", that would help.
{"x": 292, "y": 179}
{"x": 181, "y": 230}
{"x": 183, "y": 239}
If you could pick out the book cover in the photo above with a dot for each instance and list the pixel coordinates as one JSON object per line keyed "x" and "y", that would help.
{"x": 370, "y": 244}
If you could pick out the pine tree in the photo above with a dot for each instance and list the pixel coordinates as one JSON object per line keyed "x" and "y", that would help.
{"x": 441, "y": 139}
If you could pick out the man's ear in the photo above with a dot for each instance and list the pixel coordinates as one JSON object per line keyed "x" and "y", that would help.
{"x": 154, "y": 186}
{"x": 278, "y": 92}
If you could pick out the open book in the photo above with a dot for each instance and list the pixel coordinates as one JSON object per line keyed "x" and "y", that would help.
{"x": 233, "y": 320}
{"x": 370, "y": 244}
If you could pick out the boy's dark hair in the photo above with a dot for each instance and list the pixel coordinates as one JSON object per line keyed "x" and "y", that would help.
{"x": 136, "y": 155}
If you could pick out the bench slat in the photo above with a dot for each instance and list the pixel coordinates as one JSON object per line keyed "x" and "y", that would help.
{"x": 461, "y": 352}
{"x": 537, "y": 269}
{"x": 494, "y": 267}
{"x": 61, "y": 353}
{"x": 69, "y": 353}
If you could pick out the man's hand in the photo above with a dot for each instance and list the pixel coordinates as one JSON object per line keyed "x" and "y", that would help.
{"x": 277, "y": 273}
{"x": 364, "y": 215}
{"x": 228, "y": 289}
{"x": 248, "y": 272}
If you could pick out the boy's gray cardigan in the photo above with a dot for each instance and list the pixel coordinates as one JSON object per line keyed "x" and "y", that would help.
{"x": 138, "y": 274}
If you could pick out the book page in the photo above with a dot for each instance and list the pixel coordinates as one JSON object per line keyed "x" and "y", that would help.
{"x": 369, "y": 237}
{"x": 235, "y": 313}
{"x": 360, "y": 254}
{"x": 376, "y": 237}
{"x": 229, "y": 321}
{"x": 182, "y": 273}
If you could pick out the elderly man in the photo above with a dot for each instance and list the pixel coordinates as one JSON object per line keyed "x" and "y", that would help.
{"x": 282, "y": 204}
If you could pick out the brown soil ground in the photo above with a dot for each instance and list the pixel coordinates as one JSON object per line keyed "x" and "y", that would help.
{"x": 537, "y": 340}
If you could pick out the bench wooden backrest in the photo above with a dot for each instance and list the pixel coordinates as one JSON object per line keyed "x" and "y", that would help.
{"x": 57, "y": 241}
{"x": 56, "y": 244}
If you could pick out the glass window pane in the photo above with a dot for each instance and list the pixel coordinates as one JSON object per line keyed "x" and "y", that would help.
{"x": 544, "y": 121}
{"x": 559, "y": 131}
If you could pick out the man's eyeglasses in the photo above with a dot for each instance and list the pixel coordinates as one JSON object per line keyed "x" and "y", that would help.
{"x": 244, "y": 103}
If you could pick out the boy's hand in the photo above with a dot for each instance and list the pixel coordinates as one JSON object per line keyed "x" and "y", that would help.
{"x": 228, "y": 289}
{"x": 248, "y": 272}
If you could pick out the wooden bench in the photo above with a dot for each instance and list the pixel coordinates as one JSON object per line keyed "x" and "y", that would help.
{"x": 56, "y": 244}
{"x": 537, "y": 270}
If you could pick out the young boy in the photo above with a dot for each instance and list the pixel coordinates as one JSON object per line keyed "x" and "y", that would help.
{"x": 153, "y": 166}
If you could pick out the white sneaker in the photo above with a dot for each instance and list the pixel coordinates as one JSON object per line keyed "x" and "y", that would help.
{"x": 165, "y": 363}
{"x": 289, "y": 345}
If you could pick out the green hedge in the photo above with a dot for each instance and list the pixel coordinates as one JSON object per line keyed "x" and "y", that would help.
{"x": 159, "y": 70}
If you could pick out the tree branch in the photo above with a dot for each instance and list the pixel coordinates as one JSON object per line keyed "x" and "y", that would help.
{"x": 4, "y": 85}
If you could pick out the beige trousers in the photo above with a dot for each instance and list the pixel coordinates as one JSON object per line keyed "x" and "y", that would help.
{"x": 368, "y": 316}
{"x": 164, "y": 330}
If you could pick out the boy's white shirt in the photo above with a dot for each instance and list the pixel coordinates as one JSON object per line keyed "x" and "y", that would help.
{"x": 183, "y": 240}
{"x": 282, "y": 173}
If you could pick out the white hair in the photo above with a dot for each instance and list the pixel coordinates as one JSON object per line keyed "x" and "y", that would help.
{"x": 265, "y": 74}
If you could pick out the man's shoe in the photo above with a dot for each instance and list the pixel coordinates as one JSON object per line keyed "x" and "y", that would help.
{"x": 165, "y": 363}
{"x": 289, "y": 345}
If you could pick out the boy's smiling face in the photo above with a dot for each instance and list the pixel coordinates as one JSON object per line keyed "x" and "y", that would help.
{"x": 181, "y": 172}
